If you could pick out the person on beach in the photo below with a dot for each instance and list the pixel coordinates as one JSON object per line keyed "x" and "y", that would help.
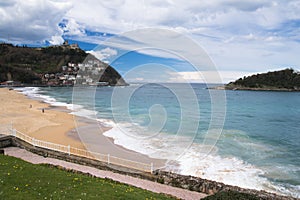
{"x": 30, "y": 106}
{"x": 43, "y": 110}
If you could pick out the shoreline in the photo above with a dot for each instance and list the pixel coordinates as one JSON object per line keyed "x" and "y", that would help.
{"x": 91, "y": 133}
{"x": 63, "y": 127}
{"x": 224, "y": 87}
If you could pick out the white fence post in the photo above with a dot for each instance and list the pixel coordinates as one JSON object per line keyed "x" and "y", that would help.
{"x": 80, "y": 152}
{"x": 11, "y": 127}
{"x": 151, "y": 168}
{"x": 14, "y": 132}
{"x": 69, "y": 150}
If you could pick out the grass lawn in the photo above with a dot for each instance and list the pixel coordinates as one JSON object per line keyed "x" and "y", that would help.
{"x": 22, "y": 180}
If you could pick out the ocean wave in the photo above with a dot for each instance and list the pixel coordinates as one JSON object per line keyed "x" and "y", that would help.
{"x": 35, "y": 93}
{"x": 190, "y": 160}
{"x": 228, "y": 170}
{"x": 77, "y": 110}
{"x": 232, "y": 171}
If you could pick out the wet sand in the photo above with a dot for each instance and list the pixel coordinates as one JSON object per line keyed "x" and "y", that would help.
{"x": 91, "y": 134}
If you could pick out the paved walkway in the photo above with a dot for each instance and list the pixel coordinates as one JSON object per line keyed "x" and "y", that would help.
{"x": 144, "y": 184}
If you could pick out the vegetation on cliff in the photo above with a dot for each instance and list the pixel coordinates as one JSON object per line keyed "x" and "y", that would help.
{"x": 287, "y": 79}
{"x": 29, "y": 65}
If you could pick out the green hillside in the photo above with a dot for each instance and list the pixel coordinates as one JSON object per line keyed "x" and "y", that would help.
{"x": 29, "y": 65}
{"x": 287, "y": 79}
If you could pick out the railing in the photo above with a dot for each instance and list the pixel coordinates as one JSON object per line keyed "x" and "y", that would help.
{"x": 8, "y": 130}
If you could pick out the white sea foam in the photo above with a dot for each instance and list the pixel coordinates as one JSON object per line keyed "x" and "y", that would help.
{"x": 78, "y": 110}
{"x": 34, "y": 93}
{"x": 107, "y": 122}
{"x": 229, "y": 170}
{"x": 28, "y": 91}
{"x": 82, "y": 112}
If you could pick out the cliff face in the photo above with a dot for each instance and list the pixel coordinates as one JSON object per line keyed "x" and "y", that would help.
{"x": 283, "y": 80}
{"x": 41, "y": 65}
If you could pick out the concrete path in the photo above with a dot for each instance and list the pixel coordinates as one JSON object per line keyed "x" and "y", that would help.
{"x": 144, "y": 184}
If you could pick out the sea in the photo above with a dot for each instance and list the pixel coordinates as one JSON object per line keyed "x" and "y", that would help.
{"x": 249, "y": 139}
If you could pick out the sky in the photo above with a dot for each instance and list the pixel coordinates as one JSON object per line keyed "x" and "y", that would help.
{"x": 239, "y": 37}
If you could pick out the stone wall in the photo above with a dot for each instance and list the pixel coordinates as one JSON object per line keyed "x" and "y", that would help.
{"x": 209, "y": 187}
{"x": 5, "y": 141}
{"x": 176, "y": 180}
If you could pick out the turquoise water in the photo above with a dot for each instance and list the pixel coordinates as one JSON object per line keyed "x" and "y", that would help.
{"x": 258, "y": 146}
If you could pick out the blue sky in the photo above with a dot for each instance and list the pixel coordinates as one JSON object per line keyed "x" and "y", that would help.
{"x": 240, "y": 37}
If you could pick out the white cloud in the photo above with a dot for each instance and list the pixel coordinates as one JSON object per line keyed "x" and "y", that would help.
{"x": 32, "y": 21}
{"x": 73, "y": 28}
{"x": 55, "y": 40}
{"x": 235, "y": 34}
{"x": 207, "y": 76}
{"x": 118, "y": 16}
{"x": 162, "y": 43}
{"x": 104, "y": 54}
{"x": 152, "y": 73}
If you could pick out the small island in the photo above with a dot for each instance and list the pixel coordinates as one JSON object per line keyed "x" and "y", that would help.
{"x": 283, "y": 80}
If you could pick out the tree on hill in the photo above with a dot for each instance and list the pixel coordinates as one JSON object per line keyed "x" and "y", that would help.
{"x": 28, "y": 65}
{"x": 283, "y": 79}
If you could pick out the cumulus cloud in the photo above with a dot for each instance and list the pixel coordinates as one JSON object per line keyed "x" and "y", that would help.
{"x": 223, "y": 27}
{"x": 56, "y": 39}
{"x": 32, "y": 21}
{"x": 72, "y": 28}
{"x": 215, "y": 18}
{"x": 117, "y": 16}
{"x": 104, "y": 54}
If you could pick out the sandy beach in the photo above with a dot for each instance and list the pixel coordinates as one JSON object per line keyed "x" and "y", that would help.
{"x": 27, "y": 117}
{"x": 58, "y": 126}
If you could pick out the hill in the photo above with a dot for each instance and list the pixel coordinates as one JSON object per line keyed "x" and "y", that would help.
{"x": 283, "y": 80}
{"x": 54, "y": 65}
